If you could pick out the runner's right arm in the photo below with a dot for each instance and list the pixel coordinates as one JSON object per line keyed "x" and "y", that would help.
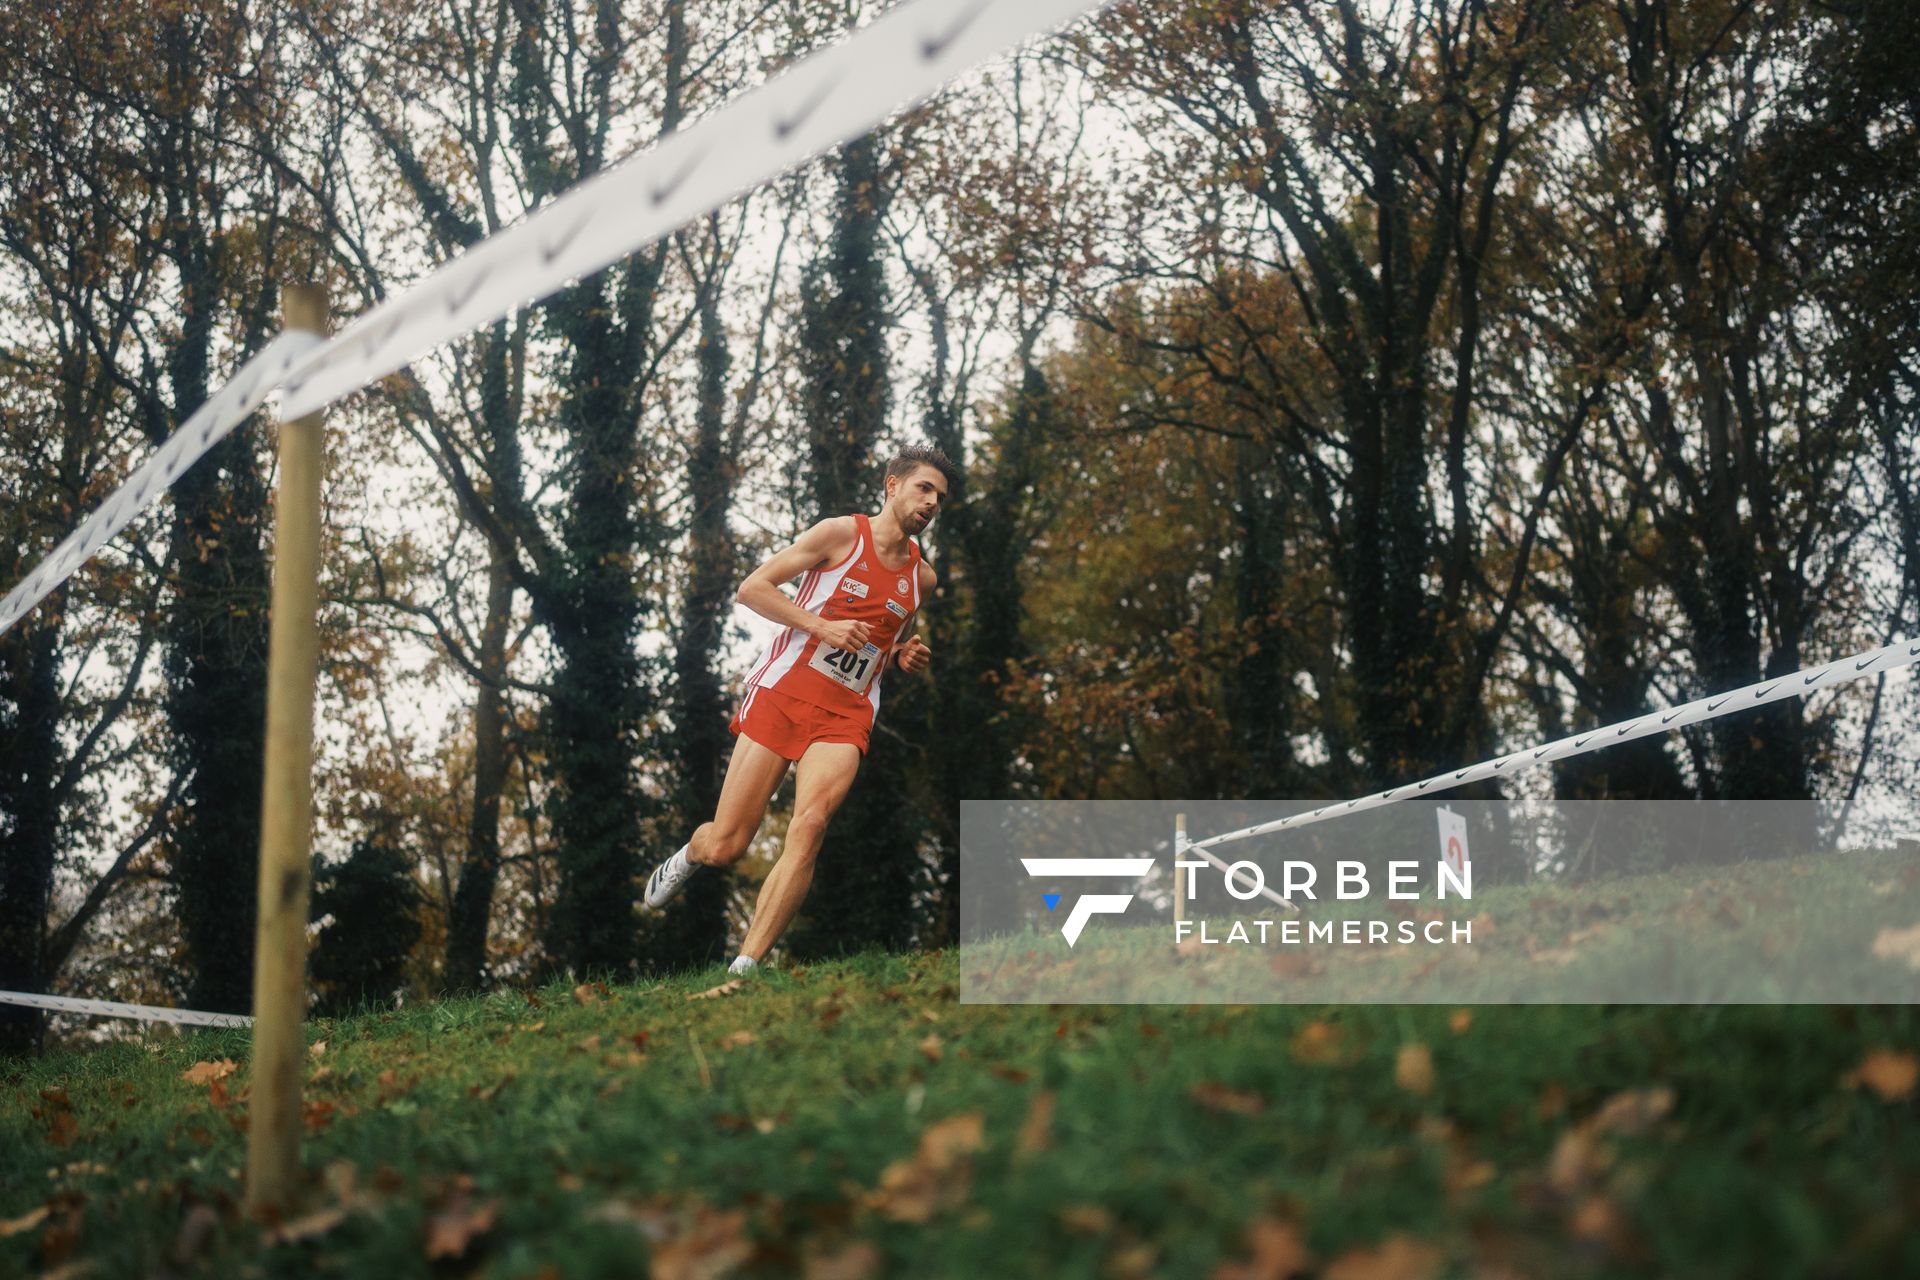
{"x": 826, "y": 543}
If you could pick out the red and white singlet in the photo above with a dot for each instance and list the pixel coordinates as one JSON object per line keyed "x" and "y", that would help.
{"x": 859, "y": 589}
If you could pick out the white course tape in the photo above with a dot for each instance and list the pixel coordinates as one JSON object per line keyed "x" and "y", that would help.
{"x": 115, "y": 1009}
{"x": 835, "y": 95}
{"x": 829, "y": 98}
{"x": 216, "y": 419}
{"x": 1901, "y": 653}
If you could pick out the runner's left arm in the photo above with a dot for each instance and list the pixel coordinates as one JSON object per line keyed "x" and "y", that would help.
{"x": 910, "y": 653}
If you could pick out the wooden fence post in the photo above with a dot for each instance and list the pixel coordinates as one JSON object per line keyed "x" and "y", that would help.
{"x": 286, "y": 817}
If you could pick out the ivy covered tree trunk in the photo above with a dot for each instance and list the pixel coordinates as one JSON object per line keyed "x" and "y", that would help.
{"x": 865, "y": 879}
{"x": 217, "y": 623}
{"x": 693, "y": 930}
{"x": 595, "y": 607}
{"x": 600, "y": 692}
{"x": 29, "y": 818}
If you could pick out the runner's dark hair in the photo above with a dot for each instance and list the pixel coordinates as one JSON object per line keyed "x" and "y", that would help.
{"x": 924, "y": 455}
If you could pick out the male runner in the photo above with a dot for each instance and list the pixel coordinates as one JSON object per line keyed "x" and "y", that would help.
{"x": 813, "y": 695}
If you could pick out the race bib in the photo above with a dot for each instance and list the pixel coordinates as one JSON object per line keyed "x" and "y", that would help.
{"x": 853, "y": 668}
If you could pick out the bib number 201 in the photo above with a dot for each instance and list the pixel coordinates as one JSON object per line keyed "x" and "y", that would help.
{"x": 853, "y": 668}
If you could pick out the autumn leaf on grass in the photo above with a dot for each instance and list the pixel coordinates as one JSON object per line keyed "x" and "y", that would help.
{"x": 931, "y": 1047}
{"x": 25, "y": 1222}
{"x": 1899, "y": 944}
{"x": 451, "y": 1230}
{"x": 61, "y": 1129}
{"x": 309, "y": 1225}
{"x": 715, "y": 1244}
{"x": 1395, "y": 1258}
{"x": 856, "y": 1260}
{"x": 1275, "y": 1251}
{"x": 1889, "y": 1074}
{"x": 737, "y": 1039}
{"x": 936, "y": 1177}
{"x": 1413, "y": 1069}
{"x": 1580, "y": 1156}
{"x": 208, "y": 1072}
{"x": 1036, "y": 1131}
{"x": 1215, "y": 1096}
{"x": 724, "y": 989}
{"x": 590, "y": 993}
{"x": 1318, "y": 1044}
{"x": 487, "y": 1093}
{"x": 317, "y": 1114}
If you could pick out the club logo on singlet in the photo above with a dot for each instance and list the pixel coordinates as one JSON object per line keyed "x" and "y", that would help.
{"x": 901, "y": 586}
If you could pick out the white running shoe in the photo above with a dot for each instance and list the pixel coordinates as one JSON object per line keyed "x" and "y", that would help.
{"x": 743, "y": 964}
{"x": 669, "y": 877}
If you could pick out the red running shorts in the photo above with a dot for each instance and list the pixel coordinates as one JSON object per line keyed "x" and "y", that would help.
{"x": 787, "y": 726}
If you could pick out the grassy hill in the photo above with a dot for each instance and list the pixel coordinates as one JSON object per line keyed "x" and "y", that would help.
{"x": 853, "y": 1119}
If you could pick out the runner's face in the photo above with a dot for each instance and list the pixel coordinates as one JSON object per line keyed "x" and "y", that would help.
{"x": 917, "y": 498}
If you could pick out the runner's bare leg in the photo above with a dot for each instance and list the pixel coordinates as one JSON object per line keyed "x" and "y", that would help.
{"x": 753, "y": 775}
{"x": 826, "y": 771}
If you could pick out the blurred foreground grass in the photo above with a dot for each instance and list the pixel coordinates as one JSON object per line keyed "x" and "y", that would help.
{"x": 853, "y": 1119}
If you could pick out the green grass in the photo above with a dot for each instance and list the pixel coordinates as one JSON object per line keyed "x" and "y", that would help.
{"x": 784, "y": 1123}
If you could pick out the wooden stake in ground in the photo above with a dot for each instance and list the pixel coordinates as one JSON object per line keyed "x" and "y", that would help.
{"x": 1179, "y": 852}
{"x": 286, "y": 817}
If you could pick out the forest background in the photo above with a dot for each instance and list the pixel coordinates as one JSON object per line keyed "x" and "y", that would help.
{"x": 1344, "y": 392}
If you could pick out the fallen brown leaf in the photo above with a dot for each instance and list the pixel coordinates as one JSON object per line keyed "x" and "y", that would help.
{"x": 724, "y": 989}
{"x": 1413, "y": 1069}
{"x": 1395, "y": 1258}
{"x": 1036, "y": 1131}
{"x": 1275, "y": 1251}
{"x": 1460, "y": 1022}
{"x": 25, "y": 1222}
{"x": 1899, "y": 944}
{"x": 1215, "y": 1096}
{"x": 738, "y": 1039}
{"x": 931, "y": 1047}
{"x": 1135, "y": 1261}
{"x": 936, "y": 1177}
{"x": 455, "y": 1227}
{"x": 1598, "y": 1221}
{"x": 1579, "y": 1156}
{"x": 61, "y": 1129}
{"x": 1634, "y": 1111}
{"x": 317, "y": 1048}
{"x": 307, "y": 1226}
{"x": 316, "y": 1114}
{"x": 590, "y": 993}
{"x": 1085, "y": 1219}
{"x": 208, "y": 1072}
{"x": 856, "y": 1260}
{"x": 488, "y": 1093}
{"x": 713, "y": 1246}
{"x": 1890, "y": 1074}
{"x": 1317, "y": 1044}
